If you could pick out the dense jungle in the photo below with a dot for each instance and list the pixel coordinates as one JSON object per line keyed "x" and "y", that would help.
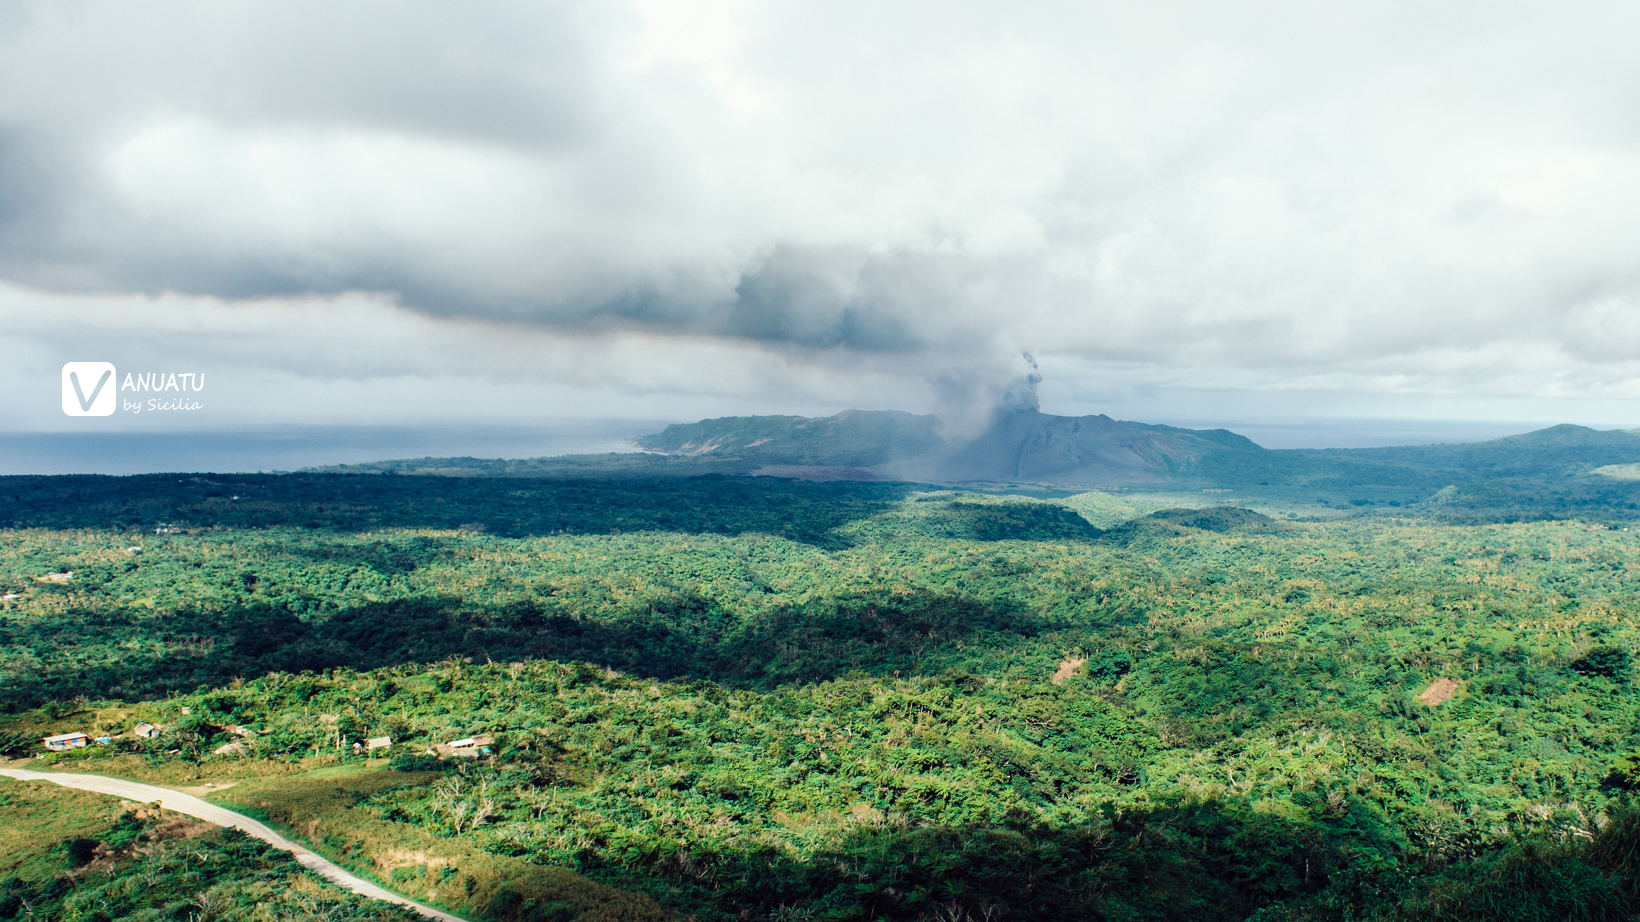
{"x": 721, "y": 697}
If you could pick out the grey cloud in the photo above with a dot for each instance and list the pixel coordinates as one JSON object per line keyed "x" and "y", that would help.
{"x": 28, "y": 186}
{"x": 1283, "y": 192}
{"x": 22, "y": 196}
{"x": 821, "y": 300}
{"x": 511, "y": 73}
{"x": 41, "y": 197}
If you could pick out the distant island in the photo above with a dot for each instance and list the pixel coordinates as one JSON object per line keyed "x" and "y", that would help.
{"x": 1555, "y": 471}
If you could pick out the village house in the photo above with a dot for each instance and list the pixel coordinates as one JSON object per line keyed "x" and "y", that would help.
{"x": 377, "y": 742}
{"x": 470, "y": 747}
{"x": 146, "y": 731}
{"x": 66, "y": 741}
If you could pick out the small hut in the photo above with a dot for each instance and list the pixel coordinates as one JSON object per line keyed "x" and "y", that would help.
{"x": 66, "y": 741}
{"x": 469, "y": 747}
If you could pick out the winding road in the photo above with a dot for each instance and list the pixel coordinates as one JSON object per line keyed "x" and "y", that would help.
{"x": 188, "y": 805}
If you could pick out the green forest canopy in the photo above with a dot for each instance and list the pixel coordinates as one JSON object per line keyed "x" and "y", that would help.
{"x": 865, "y": 700}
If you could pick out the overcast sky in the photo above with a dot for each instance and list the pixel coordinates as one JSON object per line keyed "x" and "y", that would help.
{"x": 359, "y": 212}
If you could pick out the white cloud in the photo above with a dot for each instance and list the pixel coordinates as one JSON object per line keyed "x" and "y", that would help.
{"x": 813, "y": 205}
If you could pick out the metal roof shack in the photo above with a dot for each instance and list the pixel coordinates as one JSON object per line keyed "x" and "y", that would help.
{"x": 66, "y": 741}
{"x": 471, "y": 746}
{"x": 146, "y": 731}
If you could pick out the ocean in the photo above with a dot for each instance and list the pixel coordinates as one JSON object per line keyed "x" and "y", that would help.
{"x": 290, "y": 448}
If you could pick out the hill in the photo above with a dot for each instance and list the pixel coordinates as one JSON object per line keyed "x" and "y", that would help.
{"x": 1557, "y": 472}
{"x": 1020, "y": 445}
{"x": 1031, "y": 446}
{"x": 1023, "y": 445}
{"x": 852, "y": 438}
{"x": 1559, "y": 452}
{"x": 1552, "y": 473}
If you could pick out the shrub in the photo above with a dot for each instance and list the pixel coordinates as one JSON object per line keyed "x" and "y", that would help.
{"x": 1603, "y": 661}
{"x": 418, "y": 762}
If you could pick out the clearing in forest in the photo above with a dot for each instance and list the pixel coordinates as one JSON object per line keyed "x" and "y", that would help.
{"x": 1438, "y": 691}
{"x": 1067, "y": 668}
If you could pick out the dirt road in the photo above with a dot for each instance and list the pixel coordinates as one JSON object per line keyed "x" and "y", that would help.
{"x": 189, "y": 805}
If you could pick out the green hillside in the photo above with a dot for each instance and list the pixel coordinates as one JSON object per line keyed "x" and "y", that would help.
{"x": 737, "y": 698}
{"x": 1552, "y": 456}
{"x": 853, "y": 438}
